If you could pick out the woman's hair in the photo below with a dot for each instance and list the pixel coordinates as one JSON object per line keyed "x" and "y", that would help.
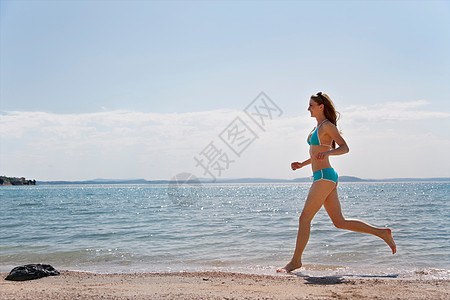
{"x": 330, "y": 112}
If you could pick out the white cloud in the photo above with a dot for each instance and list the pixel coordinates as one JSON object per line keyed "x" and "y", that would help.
{"x": 128, "y": 144}
{"x": 103, "y": 140}
{"x": 392, "y": 111}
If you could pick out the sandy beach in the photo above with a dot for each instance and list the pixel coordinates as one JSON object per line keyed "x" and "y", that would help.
{"x": 219, "y": 285}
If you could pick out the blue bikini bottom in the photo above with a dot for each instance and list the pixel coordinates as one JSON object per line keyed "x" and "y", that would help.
{"x": 326, "y": 174}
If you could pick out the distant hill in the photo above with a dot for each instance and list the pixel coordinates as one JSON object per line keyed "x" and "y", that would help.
{"x": 243, "y": 180}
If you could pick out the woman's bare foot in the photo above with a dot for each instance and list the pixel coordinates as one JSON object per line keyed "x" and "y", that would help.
{"x": 291, "y": 266}
{"x": 387, "y": 237}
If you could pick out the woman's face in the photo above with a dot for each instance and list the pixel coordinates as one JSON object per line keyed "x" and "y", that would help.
{"x": 314, "y": 108}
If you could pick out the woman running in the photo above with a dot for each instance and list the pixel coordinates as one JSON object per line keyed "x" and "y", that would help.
{"x": 322, "y": 141}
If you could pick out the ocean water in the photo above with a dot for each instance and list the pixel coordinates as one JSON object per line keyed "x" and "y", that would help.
{"x": 249, "y": 228}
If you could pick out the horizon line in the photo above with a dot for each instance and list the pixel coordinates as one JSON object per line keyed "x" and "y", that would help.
{"x": 207, "y": 180}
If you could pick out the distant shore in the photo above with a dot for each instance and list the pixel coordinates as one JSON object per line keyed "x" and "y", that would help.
{"x": 242, "y": 180}
{"x": 218, "y": 285}
{"x": 16, "y": 181}
{"x": 8, "y": 181}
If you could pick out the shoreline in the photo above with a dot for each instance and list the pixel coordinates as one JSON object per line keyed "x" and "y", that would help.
{"x": 219, "y": 285}
{"x": 306, "y": 271}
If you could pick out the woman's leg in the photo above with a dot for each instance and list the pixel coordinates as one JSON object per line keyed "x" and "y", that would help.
{"x": 317, "y": 194}
{"x": 333, "y": 208}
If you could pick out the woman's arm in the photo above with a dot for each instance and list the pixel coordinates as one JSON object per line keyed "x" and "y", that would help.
{"x": 333, "y": 132}
{"x": 297, "y": 165}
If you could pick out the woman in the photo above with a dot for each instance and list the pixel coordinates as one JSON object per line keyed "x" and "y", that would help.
{"x": 322, "y": 141}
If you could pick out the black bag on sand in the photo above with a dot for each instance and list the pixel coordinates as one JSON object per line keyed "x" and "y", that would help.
{"x": 32, "y": 271}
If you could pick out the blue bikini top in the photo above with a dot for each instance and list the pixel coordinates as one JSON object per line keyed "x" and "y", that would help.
{"x": 313, "y": 138}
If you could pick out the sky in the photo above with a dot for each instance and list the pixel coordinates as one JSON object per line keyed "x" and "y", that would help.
{"x": 146, "y": 89}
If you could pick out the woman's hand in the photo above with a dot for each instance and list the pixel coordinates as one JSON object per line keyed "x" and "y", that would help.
{"x": 296, "y": 165}
{"x": 322, "y": 155}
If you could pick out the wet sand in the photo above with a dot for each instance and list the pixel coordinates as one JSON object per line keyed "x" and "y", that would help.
{"x": 219, "y": 285}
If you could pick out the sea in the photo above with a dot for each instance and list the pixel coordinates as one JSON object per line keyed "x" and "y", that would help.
{"x": 244, "y": 228}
